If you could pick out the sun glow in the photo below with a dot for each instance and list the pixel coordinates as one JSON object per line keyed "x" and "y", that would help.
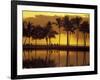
{"x": 39, "y": 18}
{"x": 27, "y": 14}
{"x": 56, "y": 41}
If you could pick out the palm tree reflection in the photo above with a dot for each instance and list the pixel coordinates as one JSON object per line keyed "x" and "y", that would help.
{"x": 85, "y": 30}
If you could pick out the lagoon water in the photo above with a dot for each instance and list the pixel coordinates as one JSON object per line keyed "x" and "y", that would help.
{"x": 54, "y": 55}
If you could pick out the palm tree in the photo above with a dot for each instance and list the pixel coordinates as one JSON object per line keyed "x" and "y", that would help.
{"x": 59, "y": 23}
{"x": 67, "y": 24}
{"x": 27, "y": 28}
{"x": 47, "y": 31}
{"x": 85, "y": 30}
{"x": 76, "y": 23}
{"x": 37, "y": 33}
{"x": 51, "y": 34}
{"x": 24, "y": 31}
{"x": 34, "y": 36}
{"x": 25, "y": 35}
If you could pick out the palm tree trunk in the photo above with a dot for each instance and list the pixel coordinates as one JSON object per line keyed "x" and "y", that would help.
{"x": 86, "y": 37}
{"x": 67, "y": 55}
{"x": 59, "y": 45}
{"x": 84, "y": 56}
{"x": 24, "y": 42}
{"x": 77, "y": 51}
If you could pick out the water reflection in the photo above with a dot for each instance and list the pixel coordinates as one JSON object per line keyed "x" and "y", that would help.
{"x": 58, "y": 57}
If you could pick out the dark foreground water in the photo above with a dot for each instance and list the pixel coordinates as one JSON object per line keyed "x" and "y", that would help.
{"x": 54, "y": 58}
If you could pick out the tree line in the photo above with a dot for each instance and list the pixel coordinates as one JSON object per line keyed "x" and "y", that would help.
{"x": 70, "y": 25}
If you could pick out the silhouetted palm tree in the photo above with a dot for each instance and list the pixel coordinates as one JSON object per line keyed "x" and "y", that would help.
{"x": 84, "y": 29}
{"x": 27, "y": 28}
{"x": 37, "y": 33}
{"x": 67, "y": 24}
{"x": 24, "y": 31}
{"x": 51, "y": 34}
{"x": 47, "y": 29}
{"x": 48, "y": 33}
{"x": 59, "y": 23}
{"x": 76, "y": 23}
{"x": 24, "y": 35}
